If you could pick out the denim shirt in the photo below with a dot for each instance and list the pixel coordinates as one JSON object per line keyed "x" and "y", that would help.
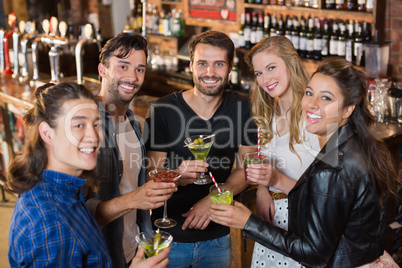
{"x": 109, "y": 171}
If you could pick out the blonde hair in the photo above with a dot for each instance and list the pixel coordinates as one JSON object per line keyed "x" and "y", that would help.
{"x": 263, "y": 105}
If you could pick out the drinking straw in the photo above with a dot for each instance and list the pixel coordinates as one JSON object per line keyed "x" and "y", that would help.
{"x": 258, "y": 143}
{"x": 216, "y": 185}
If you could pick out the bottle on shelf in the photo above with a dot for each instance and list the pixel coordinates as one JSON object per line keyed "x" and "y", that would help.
{"x": 303, "y": 37}
{"x": 177, "y": 24}
{"x": 253, "y": 34}
{"x": 139, "y": 16}
{"x": 306, "y": 3}
{"x": 330, "y": 4}
{"x": 280, "y": 29}
{"x": 325, "y": 40}
{"x": 267, "y": 28}
{"x": 369, "y": 5}
{"x": 351, "y": 5}
{"x": 340, "y": 4}
{"x": 289, "y": 27}
{"x": 296, "y": 33}
{"x": 342, "y": 40}
{"x": 310, "y": 39}
{"x": 235, "y": 74}
{"x": 273, "y": 26}
{"x": 358, "y": 45}
{"x": 366, "y": 32}
{"x": 241, "y": 41}
{"x": 361, "y": 5}
{"x": 333, "y": 39}
{"x": 260, "y": 27}
{"x": 314, "y": 3}
{"x": 349, "y": 43}
{"x": 247, "y": 31}
{"x": 317, "y": 39}
{"x": 155, "y": 24}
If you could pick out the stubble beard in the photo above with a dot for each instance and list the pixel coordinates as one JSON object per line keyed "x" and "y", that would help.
{"x": 113, "y": 88}
{"x": 210, "y": 91}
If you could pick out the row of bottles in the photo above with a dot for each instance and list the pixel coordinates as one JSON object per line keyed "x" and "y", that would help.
{"x": 360, "y": 5}
{"x": 164, "y": 23}
{"x": 313, "y": 38}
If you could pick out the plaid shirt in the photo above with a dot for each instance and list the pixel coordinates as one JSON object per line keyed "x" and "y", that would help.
{"x": 52, "y": 227}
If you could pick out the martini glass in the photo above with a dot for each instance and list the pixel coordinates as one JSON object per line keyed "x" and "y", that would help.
{"x": 199, "y": 146}
{"x": 162, "y": 175}
{"x": 153, "y": 241}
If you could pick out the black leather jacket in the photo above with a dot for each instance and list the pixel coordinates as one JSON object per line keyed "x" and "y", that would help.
{"x": 334, "y": 215}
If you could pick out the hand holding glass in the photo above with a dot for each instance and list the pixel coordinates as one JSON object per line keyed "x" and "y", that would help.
{"x": 252, "y": 158}
{"x": 153, "y": 241}
{"x": 161, "y": 175}
{"x": 222, "y": 197}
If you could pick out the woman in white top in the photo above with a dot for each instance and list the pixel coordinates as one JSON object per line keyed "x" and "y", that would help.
{"x": 280, "y": 83}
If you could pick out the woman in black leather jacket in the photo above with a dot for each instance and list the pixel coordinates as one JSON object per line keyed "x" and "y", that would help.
{"x": 338, "y": 208}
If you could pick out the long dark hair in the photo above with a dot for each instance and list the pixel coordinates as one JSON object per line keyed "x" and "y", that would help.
{"x": 353, "y": 85}
{"x": 25, "y": 168}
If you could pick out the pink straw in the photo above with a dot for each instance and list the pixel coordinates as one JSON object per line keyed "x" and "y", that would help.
{"x": 258, "y": 143}
{"x": 213, "y": 179}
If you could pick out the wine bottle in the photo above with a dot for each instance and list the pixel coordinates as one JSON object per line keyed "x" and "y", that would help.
{"x": 266, "y": 25}
{"x": 340, "y": 4}
{"x": 253, "y": 34}
{"x": 349, "y": 43}
{"x": 288, "y": 28}
{"x": 310, "y": 39}
{"x": 325, "y": 41}
{"x": 260, "y": 28}
{"x": 247, "y": 31}
{"x": 359, "y": 46}
{"x": 317, "y": 39}
{"x": 333, "y": 40}
{"x": 280, "y": 29}
{"x": 303, "y": 37}
{"x": 235, "y": 74}
{"x": 242, "y": 42}
{"x": 342, "y": 40}
{"x": 351, "y": 5}
{"x": 273, "y": 26}
{"x": 296, "y": 34}
{"x": 361, "y": 5}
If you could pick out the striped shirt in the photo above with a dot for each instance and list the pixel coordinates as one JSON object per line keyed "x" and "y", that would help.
{"x": 52, "y": 227}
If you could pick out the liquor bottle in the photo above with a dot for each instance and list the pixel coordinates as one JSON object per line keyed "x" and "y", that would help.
{"x": 296, "y": 33}
{"x": 253, "y": 34}
{"x": 266, "y": 25}
{"x": 139, "y": 17}
{"x": 349, "y": 43}
{"x": 288, "y": 28}
{"x": 342, "y": 40}
{"x": 361, "y": 5}
{"x": 260, "y": 27}
{"x": 310, "y": 39}
{"x": 366, "y": 32}
{"x": 359, "y": 46}
{"x": 155, "y": 24}
{"x": 303, "y": 37}
{"x": 280, "y": 29}
{"x": 317, "y": 39}
{"x": 333, "y": 40}
{"x": 369, "y": 5}
{"x": 177, "y": 25}
{"x": 330, "y": 4}
{"x": 351, "y": 5}
{"x": 235, "y": 74}
{"x": 340, "y": 4}
{"x": 306, "y": 3}
{"x": 241, "y": 41}
{"x": 325, "y": 41}
{"x": 247, "y": 31}
{"x": 273, "y": 26}
{"x": 314, "y": 4}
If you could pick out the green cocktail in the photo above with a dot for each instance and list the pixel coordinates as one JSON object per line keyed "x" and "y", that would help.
{"x": 153, "y": 241}
{"x": 199, "y": 146}
{"x": 224, "y": 197}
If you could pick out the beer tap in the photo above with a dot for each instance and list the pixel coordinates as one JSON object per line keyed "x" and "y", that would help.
{"x": 16, "y": 43}
{"x": 2, "y": 32}
{"x": 55, "y": 42}
{"x": 12, "y": 20}
{"x": 34, "y": 46}
{"x": 29, "y": 28}
{"x": 88, "y": 38}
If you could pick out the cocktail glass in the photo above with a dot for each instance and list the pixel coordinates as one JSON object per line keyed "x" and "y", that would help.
{"x": 224, "y": 197}
{"x": 162, "y": 175}
{"x": 252, "y": 158}
{"x": 199, "y": 146}
{"x": 153, "y": 241}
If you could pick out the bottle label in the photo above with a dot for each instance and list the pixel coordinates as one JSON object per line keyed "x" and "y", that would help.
{"x": 358, "y": 53}
{"x": 341, "y": 48}
{"x": 242, "y": 42}
{"x": 303, "y": 43}
{"x": 348, "y": 55}
{"x": 247, "y": 34}
{"x": 253, "y": 37}
{"x": 260, "y": 35}
{"x": 324, "y": 50}
{"x": 234, "y": 77}
{"x": 340, "y": 2}
{"x": 317, "y": 44}
{"x": 333, "y": 47}
{"x": 295, "y": 41}
{"x": 310, "y": 45}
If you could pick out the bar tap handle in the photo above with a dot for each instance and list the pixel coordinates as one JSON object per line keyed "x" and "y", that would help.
{"x": 16, "y": 44}
{"x": 53, "y": 26}
{"x": 88, "y": 31}
{"x": 28, "y": 28}
{"x": 35, "y": 69}
{"x": 2, "y": 32}
{"x": 46, "y": 26}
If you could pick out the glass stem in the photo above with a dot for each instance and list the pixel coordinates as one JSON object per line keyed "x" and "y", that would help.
{"x": 165, "y": 211}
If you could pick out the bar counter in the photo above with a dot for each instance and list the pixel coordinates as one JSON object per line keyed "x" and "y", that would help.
{"x": 17, "y": 97}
